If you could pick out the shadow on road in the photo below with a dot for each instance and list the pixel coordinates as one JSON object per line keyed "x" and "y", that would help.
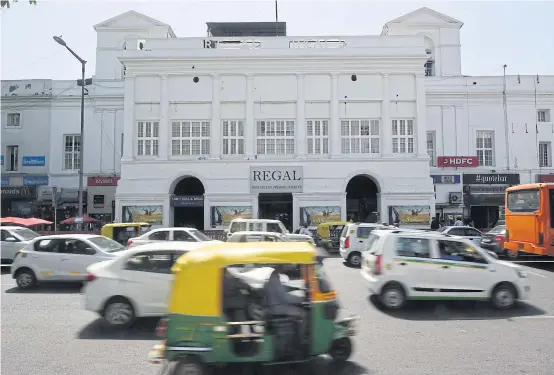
{"x": 456, "y": 310}
{"x": 50, "y": 288}
{"x": 319, "y": 366}
{"x": 143, "y": 329}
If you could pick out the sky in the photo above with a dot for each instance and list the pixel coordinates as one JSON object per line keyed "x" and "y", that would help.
{"x": 518, "y": 34}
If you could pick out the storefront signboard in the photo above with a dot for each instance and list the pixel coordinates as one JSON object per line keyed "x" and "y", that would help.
{"x": 5, "y": 181}
{"x": 223, "y": 215}
{"x": 410, "y": 215}
{"x": 19, "y": 192}
{"x": 102, "y": 181}
{"x": 152, "y": 214}
{"x": 315, "y": 215}
{"x": 446, "y": 178}
{"x": 544, "y": 178}
{"x": 491, "y": 179}
{"x": 187, "y": 201}
{"x": 488, "y": 189}
{"x": 458, "y": 161}
{"x": 34, "y": 161}
{"x": 276, "y": 179}
{"x": 98, "y": 201}
{"x": 35, "y": 180}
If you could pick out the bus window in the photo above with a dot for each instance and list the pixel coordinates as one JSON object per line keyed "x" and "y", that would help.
{"x": 523, "y": 200}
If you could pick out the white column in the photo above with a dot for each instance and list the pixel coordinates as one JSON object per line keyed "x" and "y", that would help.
{"x": 421, "y": 116}
{"x": 165, "y": 126}
{"x": 129, "y": 118}
{"x": 300, "y": 117}
{"x": 385, "y": 126}
{"x": 255, "y": 206}
{"x": 249, "y": 123}
{"x": 215, "y": 144}
{"x": 334, "y": 128}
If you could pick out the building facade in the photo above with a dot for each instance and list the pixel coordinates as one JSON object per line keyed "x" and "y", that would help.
{"x": 202, "y": 130}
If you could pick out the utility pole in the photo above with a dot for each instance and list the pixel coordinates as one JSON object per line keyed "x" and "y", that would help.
{"x": 506, "y": 127}
{"x": 276, "y": 19}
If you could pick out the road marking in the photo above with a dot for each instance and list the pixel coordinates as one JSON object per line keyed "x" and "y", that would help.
{"x": 534, "y": 317}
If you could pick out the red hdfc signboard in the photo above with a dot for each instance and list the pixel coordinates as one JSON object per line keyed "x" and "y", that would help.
{"x": 458, "y": 161}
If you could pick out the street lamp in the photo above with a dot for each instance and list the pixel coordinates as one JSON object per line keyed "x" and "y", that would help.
{"x": 61, "y": 42}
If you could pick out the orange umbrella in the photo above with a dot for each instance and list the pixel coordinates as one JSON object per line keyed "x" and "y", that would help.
{"x": 13, "y": 220}
{"x": 36, "y": 221}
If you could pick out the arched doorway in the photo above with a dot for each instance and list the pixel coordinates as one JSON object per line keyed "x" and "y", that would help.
{"x": 188, "y": 203}
{"x": 361, "y": 199}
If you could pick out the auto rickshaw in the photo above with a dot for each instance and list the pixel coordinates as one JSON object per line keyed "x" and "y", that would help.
{"x": 222, "y": 309}
{"x": 328, "y": 235}
{"x": 121, "y": 232}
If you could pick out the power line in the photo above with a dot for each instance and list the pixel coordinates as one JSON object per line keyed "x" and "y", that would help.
{"x": 34, "y": 103}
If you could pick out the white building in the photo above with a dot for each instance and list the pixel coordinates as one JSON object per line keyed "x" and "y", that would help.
{"x": 213, "y": 125}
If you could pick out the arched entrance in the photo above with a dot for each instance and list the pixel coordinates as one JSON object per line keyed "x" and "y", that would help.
{"x": 361, "y": 199}
{"x": 188, "y": 203}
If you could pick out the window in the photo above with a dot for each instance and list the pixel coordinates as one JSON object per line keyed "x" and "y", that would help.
{"x": 523, "y": 200}
{"x": 13, "y": 120}
{"x": 470, "y": 232}
{"x": 233, "y": 137}
{"x": 155, "y": 262}
{"x": 190, "y": 138}
{"x": 363, "y": 232}
{"x": 181, "y": 235}
{"x": 457, "y": 232}
{"x": 543, "y": 115}
{"x": 459, "y": 251}
{"x": 431, "y": 148}
{"x": 359, "y": 136}
{"x": 429, "y": 68}
{"x": 25, "y": 234}
{"x": 274, "y": 227}
{"x": 76, "y": 247}
{"x": 403, "y": 136}
{"x": 485, "y": 148}
{"x": 13, "y": 158}
{"x": 162, "y": 235}
{"x": 317, "y": 136}
{"x": 148, "y": 134}
{"x": 4, "y": 234}
{"x": 275, "y": 137}
{"x": 237, "y": 226}
{"x": 72, "y": 152}
{"x": 545, "y": 154}
{"x": 49, "y": 246}
{"x": 413, "y": 247}
{"x": 106, "y": 244}
{"x": 199, "y": 235}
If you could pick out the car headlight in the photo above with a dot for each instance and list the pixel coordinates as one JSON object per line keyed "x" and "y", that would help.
{"x": 522, "y": 274}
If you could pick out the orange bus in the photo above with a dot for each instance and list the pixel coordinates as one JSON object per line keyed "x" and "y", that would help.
{"x": 530, "y": 219}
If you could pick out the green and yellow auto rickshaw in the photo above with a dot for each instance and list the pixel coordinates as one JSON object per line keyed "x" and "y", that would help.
{"x": 121, "y": 232}
{"x": 223, "y": 310}
{"x": 328, "y": 235}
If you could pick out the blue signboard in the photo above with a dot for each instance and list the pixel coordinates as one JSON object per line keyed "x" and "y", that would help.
{"x": 446, "y": 178}
{"x": 35, "y": 180}
{"x": 1, "y": 159}
{"x": 5, "y": 181}
{"x": 34, "y": 161}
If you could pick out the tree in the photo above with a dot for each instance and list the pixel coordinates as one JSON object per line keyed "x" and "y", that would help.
{"x": 6, "y": 3}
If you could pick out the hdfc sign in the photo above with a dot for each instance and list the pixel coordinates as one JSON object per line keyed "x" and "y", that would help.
{"x": 458, "y": 161}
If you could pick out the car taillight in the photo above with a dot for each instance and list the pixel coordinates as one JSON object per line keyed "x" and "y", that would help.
{"x": 129, "y": 243}
{"x": 378, "y": 264}
{"x": 499, "y": 238}
{"x": 347, "y": 242}
{"x": 161, "y": 329}
{"x": 90, "y": 277}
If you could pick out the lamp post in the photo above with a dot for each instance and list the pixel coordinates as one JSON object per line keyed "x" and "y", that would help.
{"x": 61, "y": 42}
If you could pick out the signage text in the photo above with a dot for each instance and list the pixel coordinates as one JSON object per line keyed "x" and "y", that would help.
{"x": 102, "y": 181}
{"x": 187, "y": 201}
{"x": 491, "y": 179}
{"x": 458, "y": 161}
{"x": 34, "y": 161}
{"x": 5, "y": 180}
{"x": 35, "y": 180}
{"x": 19, "y": 192}
{"x": 276, "y": 179}
{"x": 446, "y": 178}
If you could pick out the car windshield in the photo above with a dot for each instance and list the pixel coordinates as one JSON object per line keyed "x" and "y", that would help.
{"x": 501, "y": 229}
{"x": 106, "y": 244}
{"x": 440, "y": 230}
{"x": 373, "y": 238}
{"x": 26, "y": 234}
{"x": 201, "y": 236}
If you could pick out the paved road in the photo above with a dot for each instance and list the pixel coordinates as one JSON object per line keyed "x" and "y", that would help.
{"x": 45, "y": 332}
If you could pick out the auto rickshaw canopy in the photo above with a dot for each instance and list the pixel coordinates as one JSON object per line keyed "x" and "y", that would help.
{"x": 323, "y": 228}
{"x": 197, "y": 286}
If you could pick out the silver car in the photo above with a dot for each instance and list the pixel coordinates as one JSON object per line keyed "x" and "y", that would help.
{"x": 170, "y": 234}
{"x": 14, "y": 239}
{"x": 467, "y": 232}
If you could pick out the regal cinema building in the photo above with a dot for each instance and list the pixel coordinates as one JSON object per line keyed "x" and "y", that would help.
{"x": 305, "y": 129}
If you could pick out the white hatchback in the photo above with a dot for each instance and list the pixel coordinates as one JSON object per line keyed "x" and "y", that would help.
{"x": 63, "y": 257}
{"x": 136, "y": 283}
{"x": 182, "y": 234}
{"x": 353, "y": 240}
{"x": 404, "y": 265}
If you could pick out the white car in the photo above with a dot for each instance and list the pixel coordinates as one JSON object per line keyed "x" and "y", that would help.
{"x": 404, "y": 265}
{"x": 353, "y": 240}
{"x": 14, "y": 239}
{"x": 136, "y": 283}
{"x": 63, "y": 257}
{"x": 268, "y": 237}
{"x": 170, "y": 234}
{"x": 467, "y": 232}
{"x": 266, "y": 225}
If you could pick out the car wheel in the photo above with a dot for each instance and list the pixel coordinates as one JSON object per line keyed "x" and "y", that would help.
{"x": 393, "y": 297}
{"x": 25, "y": 279}
{"x": 191, "y": 366}
{"x": 355, "y": 259}
{"x": 512, "y": 254}
{"x": 119, "y": 312}
{"x": 341, "y": 349}
{"x": 504, "y": 296}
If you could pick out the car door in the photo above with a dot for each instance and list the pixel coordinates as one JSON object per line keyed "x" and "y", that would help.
{"x": 45, "y": 258}
{"x": 146, "y": 278}
{"x": 359, "y": 243}
{"x": 82, "y": 255}
{"x": 473, "y": 235}
{"x": 464, "y": 272}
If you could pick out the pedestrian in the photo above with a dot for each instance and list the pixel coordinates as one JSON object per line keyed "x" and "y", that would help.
{"x": 458, "y": 222}
{"x": 434, "y": 224}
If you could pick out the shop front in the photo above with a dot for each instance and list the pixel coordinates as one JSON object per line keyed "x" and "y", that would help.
{"x": 448, "y": 197}
{"x": 18, "y": 201}
{"x": 101, "y": 197}
{"x": 484, "y": 197}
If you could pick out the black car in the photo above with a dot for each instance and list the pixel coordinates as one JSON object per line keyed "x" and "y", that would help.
{"x": 493, "y": 240}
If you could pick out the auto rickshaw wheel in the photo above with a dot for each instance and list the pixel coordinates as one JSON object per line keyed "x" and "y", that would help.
{"x": 191, "y": 365}
{"x": 341, "y": 349}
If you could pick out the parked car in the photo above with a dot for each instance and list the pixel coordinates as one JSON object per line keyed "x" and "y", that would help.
{"x": 170, "y": 234}
{"x": 354, "y": 239}
{"x": 268, "y": 237}
{"x": 14, "y": 239}
{"x": 493, "y": 240}
{"x": 136, "y": 283}
{"x": 265, "y": 225}
{"x": 401, "y": 266}
{"x": 63, "y": 257}
{"x": 467, "y": 232}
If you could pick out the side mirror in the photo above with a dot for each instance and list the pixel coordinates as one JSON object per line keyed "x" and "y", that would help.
{"x": 11, "y": 239}
{"x": 493, "y": 254}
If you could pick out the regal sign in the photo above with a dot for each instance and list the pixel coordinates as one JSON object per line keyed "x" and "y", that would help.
{"x": 102, "y": 181}
{"x": 276, "y": 179}
{"x": 458, "y": 161}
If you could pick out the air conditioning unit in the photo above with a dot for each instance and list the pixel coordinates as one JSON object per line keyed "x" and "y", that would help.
{"x": 455, "y": 198}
